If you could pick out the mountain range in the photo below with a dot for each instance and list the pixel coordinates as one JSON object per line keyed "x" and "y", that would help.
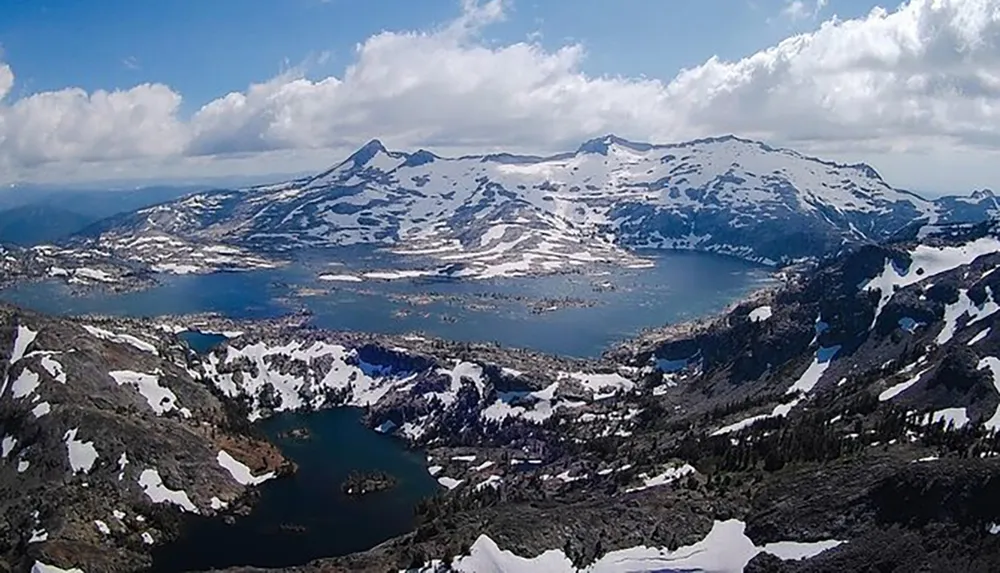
{"x": 504, "y": 214}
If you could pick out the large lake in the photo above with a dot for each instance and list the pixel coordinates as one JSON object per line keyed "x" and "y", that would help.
{"x": 305, "y": 517}
{"x": 609, "y": 304}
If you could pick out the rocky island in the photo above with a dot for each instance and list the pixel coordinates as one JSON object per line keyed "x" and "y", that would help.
{"x": 363, "y": 483}
{"x": 299, "y": 434}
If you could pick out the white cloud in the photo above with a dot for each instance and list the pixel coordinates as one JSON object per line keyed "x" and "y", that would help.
{"x": 6, "y": 80}
{"x": 131, "y": 63}
{"x": 73, "y": 125}
{"x": 919, "y": 82}
{"x": 795, "y": 10}
{"x": 798, "y": 10}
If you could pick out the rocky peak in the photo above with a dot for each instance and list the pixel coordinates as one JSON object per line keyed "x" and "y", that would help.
{"x": 983, "y": 194}
{"x": 365, "y": 154}
{"x": 601, "y": 145}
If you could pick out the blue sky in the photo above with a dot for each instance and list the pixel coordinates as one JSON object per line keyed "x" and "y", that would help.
{"x": 204, "y": 49}
{"x": 186, "y": 89}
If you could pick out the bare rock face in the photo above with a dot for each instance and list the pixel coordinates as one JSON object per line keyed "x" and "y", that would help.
{"x": 108, "y": 437}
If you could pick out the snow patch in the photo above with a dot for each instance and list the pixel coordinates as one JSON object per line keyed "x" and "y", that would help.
{"x": 126, "y": 339}
{"x": 152, "y": 485}
{"x": 602, "y": 385}
{"x": 669, "y": 476}
{"x": 341, "y": 278}
{"x": 25, "y": 336}
{"x": 925, "y": 262}
{"x": 159, "y": 398}
{"x": 779, "y": 411}
{"x": 898, "y": 389}
{"x": 760, "y": 314}
{"x": 54, "y": 368}
{"x": 808, "y": 380}
{"x": 82, "y": 455}
{"x": 978, "y": 337}
{"x": 7, "y": 446}
{"x": 240, "y": 472}
{"x": 957, "y": 417}
{"x": 964, "y": 306}
{"x": 40, "y": 567}
{"x": 25, "y": 384}
{"x": 41, "y": 409}
{"x": 450, "y": 483}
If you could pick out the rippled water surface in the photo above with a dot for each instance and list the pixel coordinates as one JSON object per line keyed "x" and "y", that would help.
{"x": 576, "y": 314}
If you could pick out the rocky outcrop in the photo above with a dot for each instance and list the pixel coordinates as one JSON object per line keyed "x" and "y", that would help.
{"x": 108, "y": 438}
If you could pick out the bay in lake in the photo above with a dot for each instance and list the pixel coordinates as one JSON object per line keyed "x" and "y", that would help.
{"x": 610, "y": 304}
{"x": 306, "y": 516}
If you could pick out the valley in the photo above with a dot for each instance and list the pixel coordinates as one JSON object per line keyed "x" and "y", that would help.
{"x": 547, "y": 388}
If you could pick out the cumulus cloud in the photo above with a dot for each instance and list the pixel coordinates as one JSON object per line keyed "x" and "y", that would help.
{"x": 71, "y": 124}
{"x": 924, "y": 73}
{"x": 920, "y": 78}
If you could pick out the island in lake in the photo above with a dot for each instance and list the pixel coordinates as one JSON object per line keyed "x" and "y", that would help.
{"x": 364, "y": 483}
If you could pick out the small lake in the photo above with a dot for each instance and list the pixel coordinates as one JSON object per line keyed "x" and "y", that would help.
{"x": 305, "y": 516}
{"x": 610, "y": 303}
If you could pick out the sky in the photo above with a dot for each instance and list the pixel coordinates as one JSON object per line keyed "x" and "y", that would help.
{"x": 188, "y": 89}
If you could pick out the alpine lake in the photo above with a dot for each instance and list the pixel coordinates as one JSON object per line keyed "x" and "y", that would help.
{"x": 306, "y": 516}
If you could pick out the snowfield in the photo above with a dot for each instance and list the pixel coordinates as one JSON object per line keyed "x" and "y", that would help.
{"x": 726, "y": 549}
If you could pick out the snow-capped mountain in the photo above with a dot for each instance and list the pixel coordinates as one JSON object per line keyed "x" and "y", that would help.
{"x": 508, "y": 214}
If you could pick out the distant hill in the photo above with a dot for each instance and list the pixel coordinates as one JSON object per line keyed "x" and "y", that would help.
{"x": 35, "y": 224}
{"x": 32, "y": 215}
{"x": 94, "y": 203}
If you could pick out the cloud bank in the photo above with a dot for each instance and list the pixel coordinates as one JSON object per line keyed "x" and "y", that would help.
{"x": 918, "y": 81}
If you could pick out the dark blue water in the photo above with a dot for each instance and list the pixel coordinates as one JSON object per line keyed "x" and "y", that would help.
{"x": 681, "y": 286}
{"x": 201, "y": 342}
{"x": 325, "y": 522}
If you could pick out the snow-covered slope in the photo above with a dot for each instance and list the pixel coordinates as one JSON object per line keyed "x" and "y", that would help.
{"x": 506, "y": 214}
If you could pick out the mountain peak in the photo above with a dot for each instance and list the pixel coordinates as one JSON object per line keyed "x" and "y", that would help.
{"x": 600, "y": 145}
{"x": 419, "y": 157}
{"x": 367, "y": 151}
